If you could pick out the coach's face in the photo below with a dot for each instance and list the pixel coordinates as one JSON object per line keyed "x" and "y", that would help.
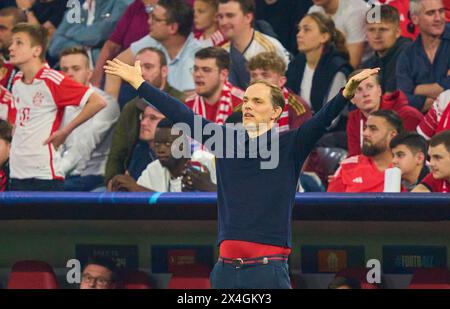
{"x": 257, "y": 108}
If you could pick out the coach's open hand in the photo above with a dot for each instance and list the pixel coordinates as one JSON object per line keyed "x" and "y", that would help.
{"x": 353, "y": 83}
{"x": 130, "y": 74}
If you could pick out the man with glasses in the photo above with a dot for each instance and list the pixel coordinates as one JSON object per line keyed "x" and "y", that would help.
{"x": 99, "y": 273}
{"x": 215, "y": 98}
{"x": 171, "y": 25}
{"x": 135, "y": 129}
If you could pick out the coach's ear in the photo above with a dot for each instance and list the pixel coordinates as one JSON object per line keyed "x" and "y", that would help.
{"x": 276, "y": 112}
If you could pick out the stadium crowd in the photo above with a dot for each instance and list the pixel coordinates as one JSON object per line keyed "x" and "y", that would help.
{"x": 67, "y": 126}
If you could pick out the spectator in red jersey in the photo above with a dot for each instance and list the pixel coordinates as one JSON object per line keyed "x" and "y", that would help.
{"x": 438, "y": 117}
{"x": 205, "y": 22}
{"x": 410, "y": 152}
{"x": 369, "y": 98}
{"x": 214, "y": 98}
{"x": 7, "y": 109}
{"x": 131, "y": 27}
{"x": 5, "y": 146}
{"x": 365, "y": 173}
{"x": 439, "y": 178}
{"x": 40, "y": 96}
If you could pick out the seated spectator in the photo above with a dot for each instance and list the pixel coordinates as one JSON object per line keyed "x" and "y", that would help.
{"x": 98, "y": 19}
{"x": 385, "y": 40}
{"x": 408, "y": 29}
{"x": 205, "y": 22}
{"x": 99, "y": 273}
{"x": 236, "y": 19}
{"x": 166, "y": 173}
{"x": 369, "y": 98}
{"x": 438, "y": 117}
{"x": 410, "y": 154}
{"x": 270, "y": 67}
{"x": 7, "y": 110}
{"x": 48, "y": 13}
{"x": 127, "y": 137}
{"x": 283, "y": 16}
{"x": 215, "y": 98}
{"x": 439, "y": 178}
{"x": 365, "y": 173}
{"x": 131, "y": 27}
{"x": 171, "y": 26}
{"x": 342, "y": 283}
{"x": 9, "y": 17}
{"x": 5, "y": 146}
{"x": 423, "y": 70}
{"x": 40, "y": 96}
{"x": 86, "y": 150}
{"x": 321, "y": 69}
{"x": 349, "y": 16}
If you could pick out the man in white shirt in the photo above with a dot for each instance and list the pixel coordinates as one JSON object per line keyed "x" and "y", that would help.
{"x": 86, "y": 150}
{"x": 350, "y": 18}
{"x": 168, "y": 174}
{"x": 40, "y": 95}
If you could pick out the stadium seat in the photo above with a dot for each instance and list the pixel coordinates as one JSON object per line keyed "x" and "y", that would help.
{"x": 359, "y": 274}
{"x": 196, "y": 278}
{"x": 32, "y": 275}
{"x": 135, "y": 280}
{"x": 183, "y": 281}
{"x": 430, "y": 278}
{"x": 324, "y": 161}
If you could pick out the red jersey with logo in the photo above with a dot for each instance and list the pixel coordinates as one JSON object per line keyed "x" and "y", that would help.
{"x": 7, "y": 109}
{"x": 357, "y": 174}
{"x": 438, "y": 117}
{"x": 40, "y": 108}
{"x": 436, "y": 185}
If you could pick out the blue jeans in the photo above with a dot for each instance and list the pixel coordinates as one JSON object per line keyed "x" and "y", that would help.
{"x": 274, "y": 275}
{"x": 83, "y": 183}
{"x": 32, "y": 184}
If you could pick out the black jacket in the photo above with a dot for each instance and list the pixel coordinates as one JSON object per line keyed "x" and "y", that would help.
{"x": 388, "y": 64}
{"x": 329, "y": 65}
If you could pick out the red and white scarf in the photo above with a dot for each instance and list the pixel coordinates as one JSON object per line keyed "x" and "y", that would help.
{"x": 224, "y": 108}
{"x": 283, "y": 122}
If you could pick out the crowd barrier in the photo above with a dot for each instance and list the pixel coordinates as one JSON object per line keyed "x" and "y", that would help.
{"x": 202, "y": 206}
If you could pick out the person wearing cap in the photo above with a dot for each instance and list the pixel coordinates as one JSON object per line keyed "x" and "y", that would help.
{"x": 128, "y": 142}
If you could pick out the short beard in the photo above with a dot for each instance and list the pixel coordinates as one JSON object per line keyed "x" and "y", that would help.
{"x": 372, "y": 150}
